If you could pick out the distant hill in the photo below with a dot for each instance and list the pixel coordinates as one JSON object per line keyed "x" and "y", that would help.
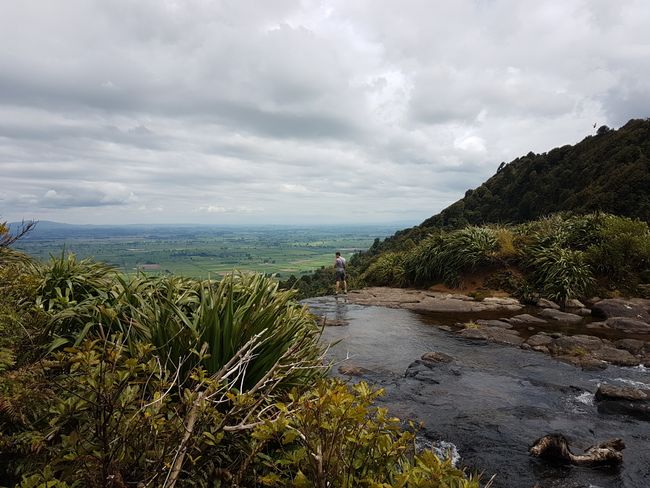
{"x": 608, "y": 172}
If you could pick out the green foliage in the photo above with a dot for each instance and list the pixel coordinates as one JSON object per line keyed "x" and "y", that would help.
{"x": 336, "y": 437}
{"x": 559, "y": 257}
{"x": 621, "y": 250}
{"x": 443, "y": 256}
{"x": 388, "y": 269}
{"x": 607, "y": 173}
{"x": 558, "y": 273}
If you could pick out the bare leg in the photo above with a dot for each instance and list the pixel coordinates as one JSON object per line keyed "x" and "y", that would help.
{"x": 337, "y": 286}
{"x": 345, "y": 286}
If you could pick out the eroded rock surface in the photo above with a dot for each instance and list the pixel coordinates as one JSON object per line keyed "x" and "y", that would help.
{"x": 428, "y": 301}
{"x": 569, "y": 318}
{"x": 619, "y": 307}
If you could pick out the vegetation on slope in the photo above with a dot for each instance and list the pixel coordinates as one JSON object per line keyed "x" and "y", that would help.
{"x": 164, "y": 382}
{"x": 558, "y": 257}
{"x": 608, "y": 172}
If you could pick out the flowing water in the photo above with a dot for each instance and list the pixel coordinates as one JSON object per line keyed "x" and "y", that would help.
{"x": 492, "y": 401}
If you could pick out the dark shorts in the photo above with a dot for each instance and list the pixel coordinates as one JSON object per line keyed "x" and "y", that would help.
{"x": 340, "y": 275}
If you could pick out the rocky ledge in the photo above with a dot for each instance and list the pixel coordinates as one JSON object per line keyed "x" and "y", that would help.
{"x": 586, "y": 349}
{"x": 429, "y": 301}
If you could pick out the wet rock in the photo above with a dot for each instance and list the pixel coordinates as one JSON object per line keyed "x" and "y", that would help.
{"x": 569, "y": 318}
{"x": 421, "y": 371}
{"x": 635, "y": 346}
{"x": 555, "y": 448}
{"x": 585, "y": 312}
{"x": 428, "y": 301}
{"x": 436, "y": 357}
{"x": 577, "y": 345}
{"x": 619, "y": 307}
{"x": 620, "y": 357}
{"x": 586, "y": 363}
{"x": 335, "y": 322}
{"x": 628, "y": 324}
{"x": 445, "y": 327}
{"x": 624, "y": 400}
{"x": 493, "y": 334}
{"x": 353, "y": 370}
{"x": 596, "y": 325}
{"x": 538, "y": 340}
{"x": 480, "y": 334}
{"x": 526, "y": 318}
{"x": 544, "y": 303}
{"x": 494, "y": 323}
{"x": 573, "y": 303}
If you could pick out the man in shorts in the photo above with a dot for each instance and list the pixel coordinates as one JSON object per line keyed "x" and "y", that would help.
{"x": 339, "y": 266}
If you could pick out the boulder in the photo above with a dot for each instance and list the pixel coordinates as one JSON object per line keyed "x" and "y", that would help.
{"x": 350, "y": 369}
{"x": 585, "y": 312}
{"x": 539, "y": 340}
{"x": 586, "y": 363}
{"x": 573, "y": 303}
{"x": 619, "y": 307}
{"x": 628, "y": 324}
{"x": 493, "y": 334}
{"x": 335, "y": 322}
{"x": 544, "y": 303}
{"x": 526, "y": 318}
{"x": 635, "y": 346}
{"x": 436, "y": 357}
{"x": 577, "y": 345}
{"x": 620, "y": 357}
{"x": 624, "y": 400}
{"x": 494, "y": 323}
{"x": 569, "y": 318}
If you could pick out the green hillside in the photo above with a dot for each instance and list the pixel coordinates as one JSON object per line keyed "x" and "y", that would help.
{"x": 607, "y": 172}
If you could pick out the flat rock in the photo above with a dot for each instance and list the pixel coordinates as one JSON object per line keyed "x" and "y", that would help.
{"x": 628, "y": 324}
{"x": 494, "y": 323}
{"x": 335, "y": 322}
{"x": 635, "y": 346}
{"x": 525, "y": 318}
{"x": 428, "y": 301}
{"x": 624, "y": 400}
{"x": 573, "y": 303}
{"x": 585, "y": 362}
{"x": 619, "y": 307}
{"x": 612, "y": 355}
{"x": 540, "y": 339}
{"x": 577, "y": 345}
{"x": 585, "y": 312}
{"x": 569, "y": 318}
{"x": 493, "y": 334}
{"x": 613, "y": 392}
{"x": 544, "y": 303}
{"x": 436, "y": 357}
{"x": 353, "y": 370}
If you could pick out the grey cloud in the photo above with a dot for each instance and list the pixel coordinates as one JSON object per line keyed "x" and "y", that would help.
{"x": 295, "y": 111}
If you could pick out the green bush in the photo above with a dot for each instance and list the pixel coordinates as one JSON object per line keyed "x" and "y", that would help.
{"x": 336, "y": 437}
{"x": 558, "y": 273}
{"x": 387, "y": 270}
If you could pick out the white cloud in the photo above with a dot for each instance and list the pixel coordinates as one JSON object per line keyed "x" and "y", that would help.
{"x": 297, "y": 111}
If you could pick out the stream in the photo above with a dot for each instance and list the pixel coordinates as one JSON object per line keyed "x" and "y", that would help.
{"x": 492, "y": 401}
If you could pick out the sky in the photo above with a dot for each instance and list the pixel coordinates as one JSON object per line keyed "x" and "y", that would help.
{"x": 305, "y": 112}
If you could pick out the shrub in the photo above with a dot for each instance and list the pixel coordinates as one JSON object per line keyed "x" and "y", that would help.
{"x": 388, "y": 269}
{"x": 558, "y": 273}
{"x": 336, "y": 437}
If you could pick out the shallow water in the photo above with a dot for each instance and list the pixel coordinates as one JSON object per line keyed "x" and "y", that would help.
{"x": 493, "y": 401}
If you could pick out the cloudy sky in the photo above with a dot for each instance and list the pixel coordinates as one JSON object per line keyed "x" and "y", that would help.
{"x": 282, "y": 111}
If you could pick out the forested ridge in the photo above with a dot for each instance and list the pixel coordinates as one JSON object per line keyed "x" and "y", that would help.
{"x": 607, "y": 172}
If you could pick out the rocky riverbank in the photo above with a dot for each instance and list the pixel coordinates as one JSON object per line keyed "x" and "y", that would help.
{"x": 591, "y": 335}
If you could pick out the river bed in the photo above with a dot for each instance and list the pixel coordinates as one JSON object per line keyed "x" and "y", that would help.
{"x": 493, "y": 400}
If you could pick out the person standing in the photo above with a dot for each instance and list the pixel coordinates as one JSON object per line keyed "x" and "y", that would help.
{"x": 339, "y": 266}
